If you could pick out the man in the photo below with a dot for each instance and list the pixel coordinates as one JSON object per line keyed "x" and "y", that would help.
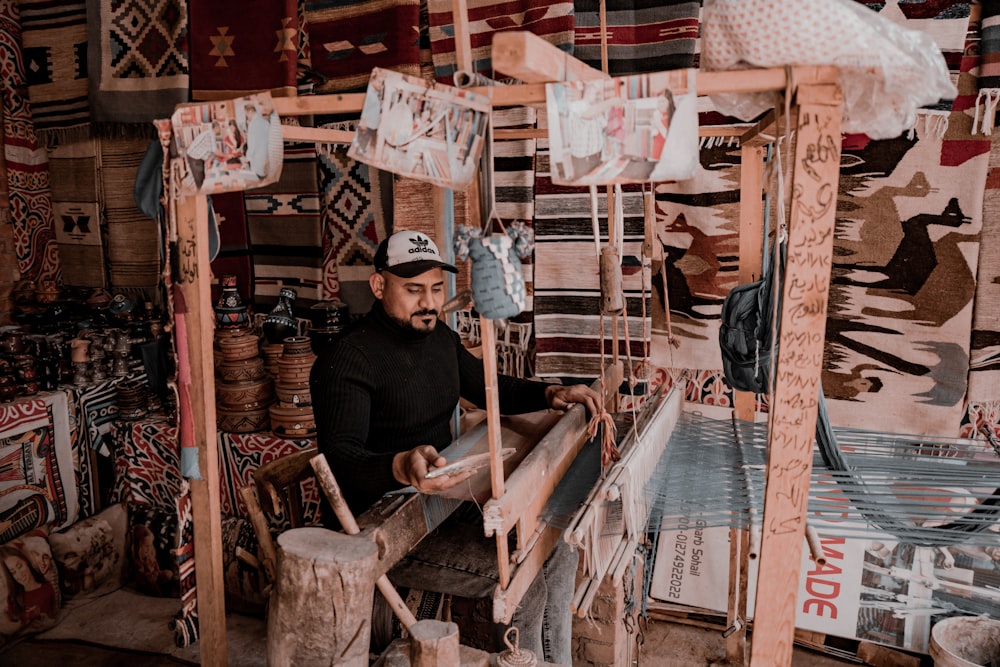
{"x": 384, "y": 395}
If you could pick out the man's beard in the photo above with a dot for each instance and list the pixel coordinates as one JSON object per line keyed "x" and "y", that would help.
{"x": 407, "y": 324}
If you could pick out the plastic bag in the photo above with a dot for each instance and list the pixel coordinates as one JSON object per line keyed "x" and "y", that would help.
{"x": 887, "y": 71}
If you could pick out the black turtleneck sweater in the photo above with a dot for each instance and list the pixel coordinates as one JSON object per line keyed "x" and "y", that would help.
{"x": 381, "y": 389}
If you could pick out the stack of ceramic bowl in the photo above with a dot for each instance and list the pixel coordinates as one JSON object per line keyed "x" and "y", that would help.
{"x": 292, "y": 416}
{"x": 243, "y": 389}
{"x": 133, "y": 399}
{"x": 272, "y": 353}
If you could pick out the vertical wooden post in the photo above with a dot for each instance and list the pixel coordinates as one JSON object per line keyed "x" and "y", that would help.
{"x": 193, "y": 281}
{"x": 805, "y": 291}
{"x": 744, "y": 402}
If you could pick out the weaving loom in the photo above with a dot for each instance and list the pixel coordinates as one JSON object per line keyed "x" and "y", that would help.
{"x": 617, "y": 505}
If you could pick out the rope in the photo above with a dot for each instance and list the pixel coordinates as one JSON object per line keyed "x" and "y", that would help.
{"x": 515, "y": 656}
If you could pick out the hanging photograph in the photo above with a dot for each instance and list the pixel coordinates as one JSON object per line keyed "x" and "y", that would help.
{"x": 635, "y": 129}
{"x": 427, "y": 131}
{"x": 229, "y": 145}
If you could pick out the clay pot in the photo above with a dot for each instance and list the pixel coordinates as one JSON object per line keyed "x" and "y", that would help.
{"x": 292, "y": 422}
{"x": 241, "y": 421}
{"x": 296, "y": 346}
{"x": 244, "y": 370}
{"x": 293, "y": 395}
{"x": 237, "y": 347}
{"x": 253, "y": 394}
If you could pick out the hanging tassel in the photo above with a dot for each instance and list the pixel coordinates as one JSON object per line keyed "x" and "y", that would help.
{"x": 609, "y": 450}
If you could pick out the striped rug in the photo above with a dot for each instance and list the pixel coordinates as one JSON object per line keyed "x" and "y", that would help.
{"x": 76, "y": 201}
{"x": 551, "y": 20}
{"x": 133, "y": 238}
{"x": 642, "y": 35}
{"x": 567, "y": 289}
{"x": 286, "y": 232}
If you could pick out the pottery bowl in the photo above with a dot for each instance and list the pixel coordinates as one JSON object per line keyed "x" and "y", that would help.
{"x": 240, "y": 421}
{"x": 244, "y": 370}
{"x": 292, "y": 422}
{"x": 235, "y": 394}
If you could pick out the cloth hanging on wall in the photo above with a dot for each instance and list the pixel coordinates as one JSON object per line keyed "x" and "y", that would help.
{"x": 133, "y": 238}
{"x": 552, "y": 20}
{"x": 642, "y": 35}
{"x": 37, "y": 483}
{"x": 984, "y": 362}
{"x": 55, "y": 55}
{"x": 286, "y": 232}
{"x": 247, "y": 50}
{"x": 696, "y": 254}
{"x": 567, "y": 302}
{"x": 27, "y": 164}
{"x": 348, "y": 40}
{"x": 353, "y": 223}
{"x": 76, "y": 202}
{"x": 137, "y": 61}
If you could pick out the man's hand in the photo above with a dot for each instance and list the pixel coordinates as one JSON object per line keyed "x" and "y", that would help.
{"x": 411, "y": 468}
{"x": 560, "y": 397}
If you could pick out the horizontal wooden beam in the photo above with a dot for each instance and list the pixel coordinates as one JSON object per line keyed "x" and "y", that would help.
{"x": 527, "y": 57}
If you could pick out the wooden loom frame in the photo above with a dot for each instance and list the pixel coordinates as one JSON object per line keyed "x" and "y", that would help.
{"x": 815, "y": 173}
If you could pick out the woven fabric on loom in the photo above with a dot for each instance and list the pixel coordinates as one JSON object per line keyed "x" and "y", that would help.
{"x": 238, "y": 52}
{"x": 55, "y": 54}
{"x": 137, "y": 59}
{"x": 551, "y": 20}
{"x": 349, "y": 39}
{"x": 286, "y": 234}
{"x": 567, "y": 302}
{"x": 642, "y": 35}
{"x": 27, "y": 165}
{"x": 133, "y": 238}
{"x": 353, "y": 224}
{"x": 76, "y": 202}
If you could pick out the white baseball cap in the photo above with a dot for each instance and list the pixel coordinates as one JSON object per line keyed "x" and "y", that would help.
{"x": 408, "y": 254}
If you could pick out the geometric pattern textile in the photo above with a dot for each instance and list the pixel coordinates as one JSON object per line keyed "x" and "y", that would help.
{"x": 350, "y": 38}
{"x": 353, "y": 224}
{"x": 27, "y": 168}
{"x": 286, "y": 233}
{"x": 552, "y": 20}
{"x": 76, "y": 202}
{"x": 234, "y": 53}
{"x": 642, "y": 35}
{"x": 55, "y": 55}
{"x": 137, "y": 60}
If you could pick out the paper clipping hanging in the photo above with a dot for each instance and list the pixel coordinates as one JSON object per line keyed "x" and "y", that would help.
{"x": 229, "y": 145}
{"x": 422, "y": 130}
{"x": 634, "y": 129}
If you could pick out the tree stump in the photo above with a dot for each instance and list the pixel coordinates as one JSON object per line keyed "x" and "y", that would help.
{"x": 434, "y": 644}
{"x": 321, "y": 604}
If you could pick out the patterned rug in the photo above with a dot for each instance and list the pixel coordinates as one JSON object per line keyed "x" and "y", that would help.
{"x": 137, "y": 60}
{"x": 147, "y": 463}
{"x": 55, "y": 55}
{"x": 238, "y": 52}
{"x": 348, "y": 39}
{"x": 353, "y": 223}
{"x": 286, "y": 232}
{"x": 37, "y": 484}
{"x": 133, "y": 238}
{"x": 989, "y": 67}
{"x": 76, "y": 203}
{"x": 567, "y": 292}
{"x": 909, "y": 218}
{"x": 642, "y": 35}
{"x": 27, "y": 170}
{"x": 696, "y": 254}
{"x": 551, "y": 20}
